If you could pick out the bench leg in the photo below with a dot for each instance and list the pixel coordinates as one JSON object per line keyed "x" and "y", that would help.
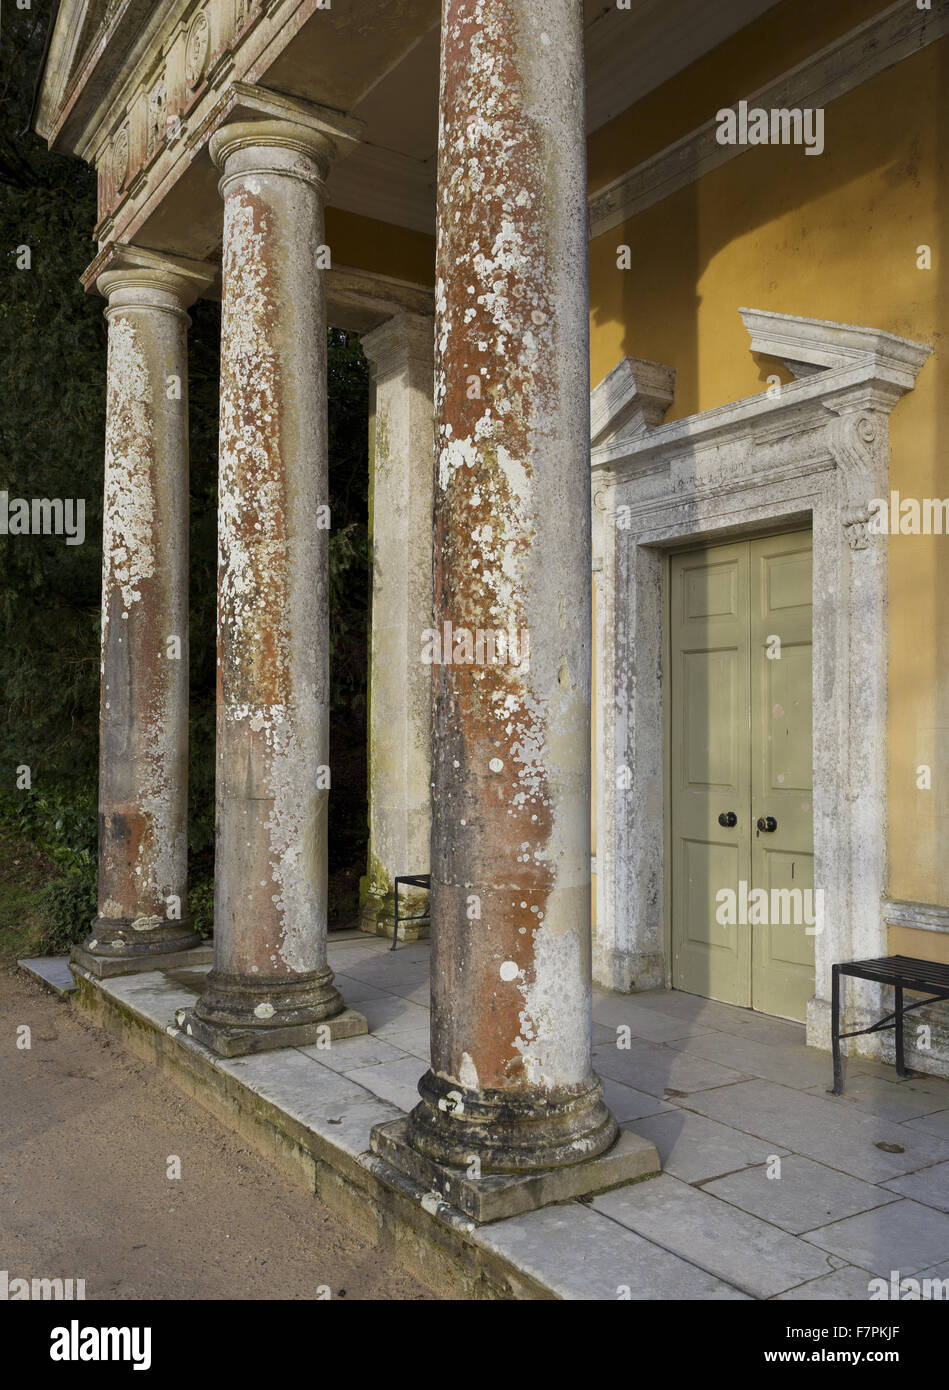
{"x": 395, "y": 921}
{"x": 838, "y": 1088}
{"x": 900, "y": 1061}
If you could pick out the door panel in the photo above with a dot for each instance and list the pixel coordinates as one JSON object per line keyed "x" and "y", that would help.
{"x": 710, "y": 767}
{"x": 782, "y": 771}
{"x": 740, "y": 727}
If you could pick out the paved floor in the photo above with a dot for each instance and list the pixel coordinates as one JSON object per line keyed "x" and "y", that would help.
{"x": 770, "y": 1188}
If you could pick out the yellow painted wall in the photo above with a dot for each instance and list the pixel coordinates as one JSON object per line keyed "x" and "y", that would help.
{"x": 833, "y": 237}
{"x": 365, "y": 244}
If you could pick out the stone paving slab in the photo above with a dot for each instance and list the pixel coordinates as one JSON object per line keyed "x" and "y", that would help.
{"x": 940, "y": 1271}
{"x": 773, "y": 1031}
{"x": 355, "y": 991}
{"x": 694, "y": 1148}
{"x": 904, "y": 1236}
{"x": 796, "y": 1066}
{"x": 395, "y": 1081}
{"x": 614, "y": 1011}
{"x": 936, "y": 1123}
{"x": 627, "y": 1103}
{"x": 929, "y": 1185}
{"x": 302, "y": 1087}
{"x": 805, "y": 1196}
{"x": 346, "y": 1054}
{"x": 749, "y": 1253}
{"x": 891, "y": 1100}
{"x": 846, "y": 1139}
{"x": 657, "y": 1069}
{"x": 849, "y": 1283}
{"x": 726, "y": 1018}
{"x": 390, "y": 968}
{"x": 334, "y": 1109}
{"x": 582, "y": 1254}
{"x": 391, "y": 1015}
{"x": 414, "y": 993}
{"x": 415, "y": 1041}
{"x": 50, "y": 970}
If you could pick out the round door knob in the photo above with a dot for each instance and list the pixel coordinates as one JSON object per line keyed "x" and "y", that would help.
{"x": 767, "y": 824}
{"x": 728, "y": 819}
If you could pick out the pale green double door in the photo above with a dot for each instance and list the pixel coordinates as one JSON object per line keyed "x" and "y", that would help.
{"x": 741, "y": 747}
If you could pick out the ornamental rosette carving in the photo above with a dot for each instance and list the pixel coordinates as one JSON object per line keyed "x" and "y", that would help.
{"x": 196, "y": 49}
{"x": 119, "y": 162}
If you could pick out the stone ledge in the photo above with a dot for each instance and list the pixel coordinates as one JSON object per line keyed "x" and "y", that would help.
{"x": 499, "y": 1195}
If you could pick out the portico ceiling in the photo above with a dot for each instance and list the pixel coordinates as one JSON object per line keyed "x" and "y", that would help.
{"x": 376, "y": 60}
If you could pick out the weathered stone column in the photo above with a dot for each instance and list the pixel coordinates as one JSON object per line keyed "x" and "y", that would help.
{"x": 143, "y": 760}
{"x": 271, "y": 985}
{"x": 511, "y": 1088}
{"x": 400, "y": 355}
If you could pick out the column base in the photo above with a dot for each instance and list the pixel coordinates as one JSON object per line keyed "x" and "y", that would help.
{"x": 229, "y": 1040}
{"x": 498, "y": 1195}
{"x": 119, "y": 946}
{"x": 236, "y": 1014}
{"x": 509, "y": 1131}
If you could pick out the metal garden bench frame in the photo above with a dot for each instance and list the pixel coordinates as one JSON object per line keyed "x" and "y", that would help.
{"x": 414, "y": 881}
{"x": 899, "y": 972}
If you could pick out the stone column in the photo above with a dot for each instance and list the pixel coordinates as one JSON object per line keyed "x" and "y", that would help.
{"x": 270, "y": 985}
{"x": 400, "y": 355}
{"x": 143, "y": 920}
{"x": 511, "y": 1088}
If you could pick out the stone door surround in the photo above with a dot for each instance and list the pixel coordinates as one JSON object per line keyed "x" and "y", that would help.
{"x": 813, "y": 452}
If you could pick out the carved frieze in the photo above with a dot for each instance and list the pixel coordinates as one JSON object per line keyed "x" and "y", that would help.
{"x": 196, "y": 55}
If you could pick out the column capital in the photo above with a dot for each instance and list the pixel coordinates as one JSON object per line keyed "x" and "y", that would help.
{"x": 131, "y": 276}
{"x": 315, "y": 132}
{"x": 405, "y": 336}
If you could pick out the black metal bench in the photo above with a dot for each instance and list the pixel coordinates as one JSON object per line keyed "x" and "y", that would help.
{"x": 899, "y": 972}
{"x": 414, "y": 881}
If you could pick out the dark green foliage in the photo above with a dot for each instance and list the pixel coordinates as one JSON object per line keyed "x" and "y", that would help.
{"x": 201, "y": 905}
{"x": 52, "y": 340}
{"x": 67, "y": 907}
{"x": 60, "y": 823}
{"x": 52, "y": 429}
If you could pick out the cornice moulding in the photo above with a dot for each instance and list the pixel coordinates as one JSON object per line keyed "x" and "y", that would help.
{"x": 630, "y": 399}
{"x": 819, "y": 343}
{"x": 887, "y": 38}
{"x": 871, "y": 380}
